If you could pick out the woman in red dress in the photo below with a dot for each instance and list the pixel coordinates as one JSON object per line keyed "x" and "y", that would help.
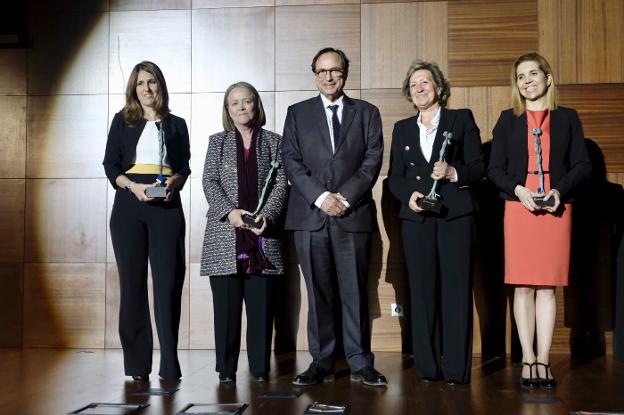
{"x": 538, "y": 159}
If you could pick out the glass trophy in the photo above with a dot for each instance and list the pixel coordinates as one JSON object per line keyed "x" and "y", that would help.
{"x": 539, "y": 199}
{"x": 431, "y": 202}
{"x": 250, "y": 219}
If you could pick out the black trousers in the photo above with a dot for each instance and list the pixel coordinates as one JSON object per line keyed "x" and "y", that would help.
{"x": 330, "y": 258}
{"x": 440, "y": 247}
{"x": 139, "y": 231}
{"x": 228, "y": 294}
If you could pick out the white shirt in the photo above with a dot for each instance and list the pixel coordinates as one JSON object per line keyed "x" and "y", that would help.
{"x": 148, "y": 146}
{"x": 427, "y": 138}
{"x": 329, "y": 114}
{"x": 427, "y": 135}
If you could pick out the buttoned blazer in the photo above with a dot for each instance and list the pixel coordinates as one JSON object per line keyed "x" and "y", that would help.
{"x": 313, "y": 168}
{"x": 220, "y": 183}
{"x": 569, "y": 161}
{"x": 122, "y": 141}
{"x": 410, "y": 171}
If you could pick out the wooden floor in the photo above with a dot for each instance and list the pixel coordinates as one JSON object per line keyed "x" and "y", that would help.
{"x": 50, "y": 382}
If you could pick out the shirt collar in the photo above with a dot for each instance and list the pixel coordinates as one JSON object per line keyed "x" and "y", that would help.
{"x": 327, "y": 102}
{"x": 434, "y": 122}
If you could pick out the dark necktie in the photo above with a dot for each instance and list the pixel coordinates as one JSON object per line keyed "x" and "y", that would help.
{"x": 335, "y": 126}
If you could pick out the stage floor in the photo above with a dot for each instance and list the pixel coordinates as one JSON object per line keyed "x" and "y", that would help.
{"x": 51, "y": 382}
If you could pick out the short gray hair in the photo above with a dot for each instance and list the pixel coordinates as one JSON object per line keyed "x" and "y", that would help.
{"x": 438, "y": 78}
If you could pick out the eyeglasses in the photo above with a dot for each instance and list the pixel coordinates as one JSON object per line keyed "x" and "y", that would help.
{"x": 333, "y": 72}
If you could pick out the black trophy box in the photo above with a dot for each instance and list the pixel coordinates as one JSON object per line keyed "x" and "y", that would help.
{"x": 156, "y": 192}
{"x": 539, "y": 201}
{"x": 429, "y": 204}
{"x": 250, "y": 220}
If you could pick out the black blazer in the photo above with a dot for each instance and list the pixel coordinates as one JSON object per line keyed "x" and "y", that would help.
{"x": 410, "y": 171}
{"x": 123, "y": 139}
{"x": 312, "y": 168}
{"x": 569, "y": 162}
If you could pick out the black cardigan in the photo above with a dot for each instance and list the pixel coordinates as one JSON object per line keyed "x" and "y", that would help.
{"x": 123, "y": 139}
{"x": 569, "y": 162}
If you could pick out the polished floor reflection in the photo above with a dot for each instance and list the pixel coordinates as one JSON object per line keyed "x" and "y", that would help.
{"x": 49, "y": 381}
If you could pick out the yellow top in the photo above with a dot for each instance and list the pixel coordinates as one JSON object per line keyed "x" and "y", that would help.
{"x": 150, "y": 169}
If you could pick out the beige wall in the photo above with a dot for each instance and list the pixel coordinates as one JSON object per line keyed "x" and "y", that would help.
{"x": 57, "y": 98}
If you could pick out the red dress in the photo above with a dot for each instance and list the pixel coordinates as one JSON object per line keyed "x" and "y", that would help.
{"x": 537, "y": 244}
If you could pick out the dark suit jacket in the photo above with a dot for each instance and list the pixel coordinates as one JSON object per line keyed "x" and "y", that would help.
{"x": 569, "y": 162}
{"x": 410, "y": 171}
{"x": 312, "y": 168}
{"x": 123, "y": 139}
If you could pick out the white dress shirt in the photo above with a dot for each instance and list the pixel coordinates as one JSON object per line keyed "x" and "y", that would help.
{"x": 329, "y": 114}
{"x": 427, "y": 138}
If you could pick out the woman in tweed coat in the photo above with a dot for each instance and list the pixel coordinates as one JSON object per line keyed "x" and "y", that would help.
{"x": 240, "y": 259}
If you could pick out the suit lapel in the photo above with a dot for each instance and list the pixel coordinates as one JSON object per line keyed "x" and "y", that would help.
{"x": 518, "y": 144}
{"x": 348, "y": 114}
{"x": 319, "y": 118}
{"x": 447, "y": 119}
{"x": 556, "y": 144}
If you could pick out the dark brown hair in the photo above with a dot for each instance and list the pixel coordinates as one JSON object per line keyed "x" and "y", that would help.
{"x": 133, "y": 111}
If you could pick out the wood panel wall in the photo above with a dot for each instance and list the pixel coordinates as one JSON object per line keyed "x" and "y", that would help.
{"x": 57, "y": 99}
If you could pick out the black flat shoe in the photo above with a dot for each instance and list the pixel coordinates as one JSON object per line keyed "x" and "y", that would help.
{"x": 314, "y": 375}
{"x": 140, "y": 378}
{"x": 549, "y": 381}
{"x": 369, "y": 376}
{"x": 531, "y": 382}
{"x": 227, "y": 378}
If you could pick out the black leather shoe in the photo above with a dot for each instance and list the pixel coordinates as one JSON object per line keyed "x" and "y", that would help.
{"x": 455, "y": 382}
{"x": 427, "y": 379}
{"x": 369, "y": 376}
{"x": 531, "y": 382}
{"x": 313, "y": 376}
{"x": 260, "y": 377}
{"x": 140, "y": 378}
{"x": 549, "y": 381}
{"x": 227, "y": 378}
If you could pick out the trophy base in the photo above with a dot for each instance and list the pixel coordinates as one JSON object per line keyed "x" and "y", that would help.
{"x": 429, "y": 204}
{"x": 539, "y": 201}
{"x": 156, "y": 192}
{"x": 250, "y": 220}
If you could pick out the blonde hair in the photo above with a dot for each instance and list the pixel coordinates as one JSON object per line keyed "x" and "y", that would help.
{"x": 133, "y": 111}
{"x": 438, "y": 79}
{"x": 519, "y": 102}
{"x": 259, "y": 117}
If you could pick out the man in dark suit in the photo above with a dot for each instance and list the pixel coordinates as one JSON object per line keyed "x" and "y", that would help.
{"x": 332, "y": 153}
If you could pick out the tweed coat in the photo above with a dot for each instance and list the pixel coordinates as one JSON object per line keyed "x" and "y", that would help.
{"x": 220, "y": 182}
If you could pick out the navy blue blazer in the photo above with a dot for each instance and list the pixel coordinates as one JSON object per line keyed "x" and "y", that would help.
{"x": 312, "y": 168}
{"x": 410, "y": 171}
{"x": 122, "y": 141}
{"x": 569, "y": 162}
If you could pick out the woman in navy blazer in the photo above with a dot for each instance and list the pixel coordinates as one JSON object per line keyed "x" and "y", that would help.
{"x": 147, "y": 143}
{"x": 538, "y": 156}
{"x": 437, "y": 243}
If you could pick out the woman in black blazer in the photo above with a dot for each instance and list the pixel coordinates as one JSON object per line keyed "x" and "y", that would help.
{"x": 148, "y": 147}
{"x": 538, "y": 159}
{"x": 437, "y": 243}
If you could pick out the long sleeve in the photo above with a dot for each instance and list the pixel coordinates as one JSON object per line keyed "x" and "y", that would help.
{"x": 296, "y": 171}
{"x": 363, "y": 180}
{"x": 219, "y": 204}
{"x": 113, "y": 152}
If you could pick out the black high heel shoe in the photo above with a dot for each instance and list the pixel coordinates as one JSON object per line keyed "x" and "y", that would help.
{"x": 530, "y": 382}
{"x": 549, "y": 381}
